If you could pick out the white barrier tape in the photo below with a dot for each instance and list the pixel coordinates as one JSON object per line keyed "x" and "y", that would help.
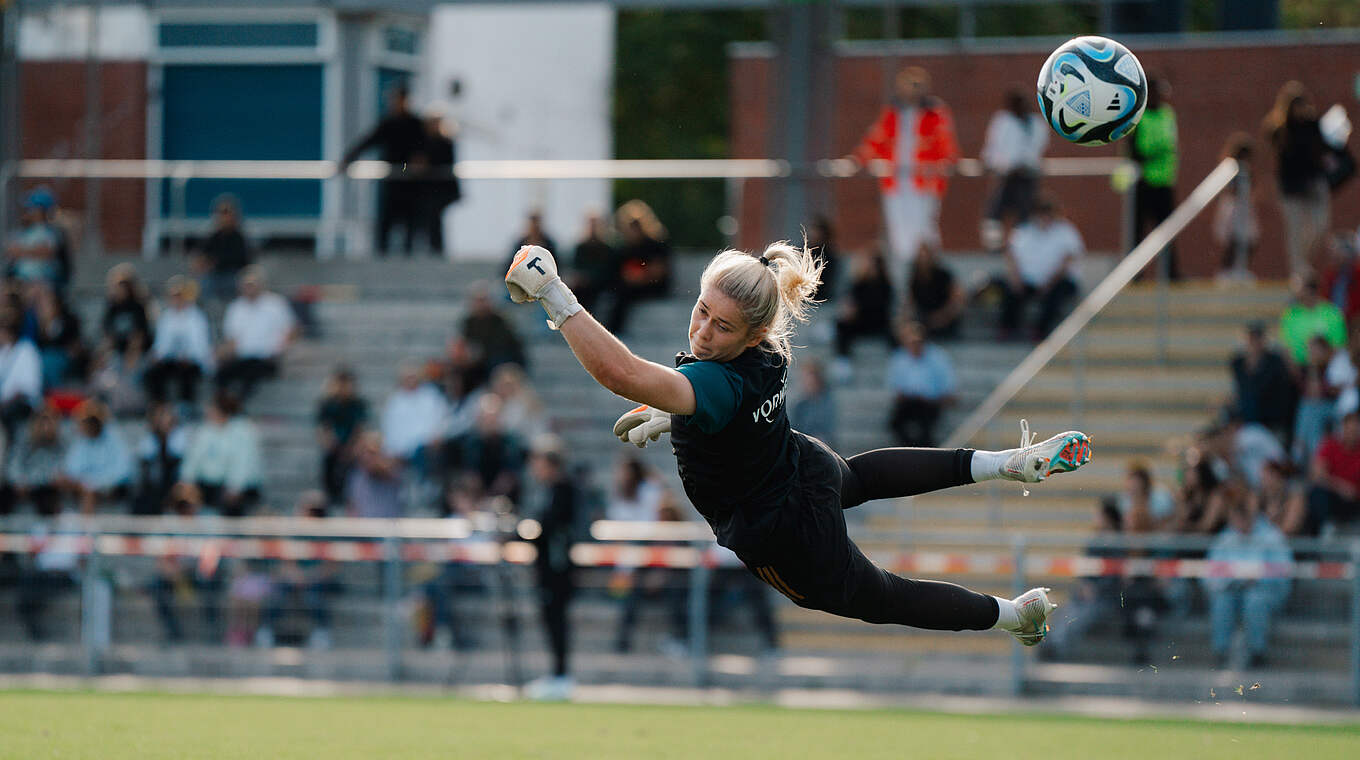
{"x": 678, "y": 557}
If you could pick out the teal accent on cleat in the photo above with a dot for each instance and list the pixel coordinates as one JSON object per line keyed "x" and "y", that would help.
{"x": 1034, "y": 462}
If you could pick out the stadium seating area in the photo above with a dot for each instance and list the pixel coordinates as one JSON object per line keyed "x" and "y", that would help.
{"x": 374, "y": 315}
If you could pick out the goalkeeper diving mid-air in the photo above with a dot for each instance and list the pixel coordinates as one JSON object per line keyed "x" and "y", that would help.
{"x": 772, "y": 494}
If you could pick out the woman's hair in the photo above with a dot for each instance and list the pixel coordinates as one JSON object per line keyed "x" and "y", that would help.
{"x": 773, "y": 296}
{"x": 1238, "y": 145}
{"x": 636, "y": 473}
{"x": 126, "y": 274}
{"x": 638, "y": 211}
{"x": 1290, "y": 92}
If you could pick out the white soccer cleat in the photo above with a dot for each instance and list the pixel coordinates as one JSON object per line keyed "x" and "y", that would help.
{"x": 1033, "y": 607}
{"x": 1034, "y": 462}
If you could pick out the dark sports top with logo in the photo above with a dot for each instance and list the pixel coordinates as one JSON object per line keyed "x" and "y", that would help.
{"x": 736, "y": 453}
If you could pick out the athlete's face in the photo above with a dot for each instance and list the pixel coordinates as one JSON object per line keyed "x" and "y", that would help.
{"x": 717, "y": 331}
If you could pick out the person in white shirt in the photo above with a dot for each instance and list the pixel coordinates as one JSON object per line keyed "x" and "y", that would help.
{"x": 20, "y": 377}
{"x": 258, "y": 328}
{"x": 414, "y": 420}
{"x": 225, "y": 460}
{"x": 1041, "y": 263}
{"x": 182, "y": 352}
{"x": 1014, "y": 146}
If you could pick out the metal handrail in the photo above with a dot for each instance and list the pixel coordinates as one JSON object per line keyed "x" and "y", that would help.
{"x": 756, "y": 168}
{"x": 1098, "y": 299}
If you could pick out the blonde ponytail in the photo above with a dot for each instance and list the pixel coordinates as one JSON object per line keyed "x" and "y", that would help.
{"x": 774, "y": 291}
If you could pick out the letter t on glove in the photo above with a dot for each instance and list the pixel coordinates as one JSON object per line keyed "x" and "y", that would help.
{"x": 533, "y": 277}
{"x": 641, "y": 425}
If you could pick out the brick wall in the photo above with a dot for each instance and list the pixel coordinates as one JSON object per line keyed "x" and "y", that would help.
{"x": 53, "y": 126}
{"x": 1216, "y": 90}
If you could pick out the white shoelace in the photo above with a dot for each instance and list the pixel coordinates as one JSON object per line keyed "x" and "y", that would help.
{"x": 1026, "y": 439}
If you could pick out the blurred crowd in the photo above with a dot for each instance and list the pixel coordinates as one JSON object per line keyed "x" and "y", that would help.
{"x": 148, "y": 411}
{"x": 1280, "y": 461}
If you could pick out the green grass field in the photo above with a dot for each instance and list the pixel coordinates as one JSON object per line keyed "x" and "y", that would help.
{"x": 115, "y": 726}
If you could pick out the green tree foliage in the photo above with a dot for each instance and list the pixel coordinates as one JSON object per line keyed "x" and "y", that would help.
{"x": 671, "y": 101}
{"x": 1314, "y": 14}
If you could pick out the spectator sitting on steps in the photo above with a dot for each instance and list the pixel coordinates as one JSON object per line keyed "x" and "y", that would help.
{"x": 258, "y": 329}
{"x": 98, "y": 466}
{"x": 1041, "y": 263}
{"x": 226, "y": 252}
{"x": 182, "y": 352}
{"x": 937, "y": 300}
{"x": 490, "y": 336}
{"x": 1249, "y": 537}
{"x": 224, "y": 459}
{"x": 921, "y": 376}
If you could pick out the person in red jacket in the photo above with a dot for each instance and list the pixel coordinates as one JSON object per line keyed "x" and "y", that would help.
{"x": 914, "y": 134}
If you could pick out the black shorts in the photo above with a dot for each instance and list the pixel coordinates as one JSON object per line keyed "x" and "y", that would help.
{"x": 803, "y": 550}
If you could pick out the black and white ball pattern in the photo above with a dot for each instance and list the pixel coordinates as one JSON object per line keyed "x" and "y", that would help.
{"x": 1092, "y": 90}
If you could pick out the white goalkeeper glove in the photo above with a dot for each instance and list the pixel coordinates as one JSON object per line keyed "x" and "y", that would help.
{"x": 641, "y": 425}
{"x": 533, "y": 277}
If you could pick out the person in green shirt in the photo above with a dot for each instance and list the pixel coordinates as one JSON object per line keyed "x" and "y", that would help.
{"x": 1310, "y": 315}
{"x": 1154, "y": 148}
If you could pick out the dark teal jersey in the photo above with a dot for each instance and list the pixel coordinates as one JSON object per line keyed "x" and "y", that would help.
{"x": 735, "y": 454}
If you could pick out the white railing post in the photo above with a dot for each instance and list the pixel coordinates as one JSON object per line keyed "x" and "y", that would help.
{"x": 1355, "y": 622}
{"x": 96, "y": 608}
{"x": 699, "y": 578}
{"x": 1018, "y": 582}
{"x": 391, "y": 606}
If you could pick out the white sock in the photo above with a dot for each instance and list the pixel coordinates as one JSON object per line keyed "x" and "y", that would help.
{"x": 1008, "y": 618}
{"x": 987, "y": 465}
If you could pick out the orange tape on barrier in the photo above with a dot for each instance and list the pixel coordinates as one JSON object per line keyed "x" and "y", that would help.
{"x": 484, "y": 552}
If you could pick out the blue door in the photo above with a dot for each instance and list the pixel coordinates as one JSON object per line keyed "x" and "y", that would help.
{"x": 231, "y": 112}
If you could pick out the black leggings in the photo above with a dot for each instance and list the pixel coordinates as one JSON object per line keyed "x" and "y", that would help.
{"x": 808, "y": 556}
{"x": 555, "y": 591}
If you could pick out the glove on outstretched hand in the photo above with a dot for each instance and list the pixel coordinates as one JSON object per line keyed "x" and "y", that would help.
{"x": 641, "y": 425}
{"x": 533, "y": 277}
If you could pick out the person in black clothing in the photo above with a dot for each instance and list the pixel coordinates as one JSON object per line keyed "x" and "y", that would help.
{"x": 488, "y": 451}
{"x": 644, "y": 262}
{"x": 489, "y": 334}
{"x": 555, "y": 509}
{"x": 866, "y": 310}
{"x": 534, "y": 234}
{"x": 772, "y": 495}
{"x": 400, "y": 138}
{"x": 821, "y": 240}
{"x": 339, "y": 415}
{"x": 595, "y": 263}
{"x": 937, "y": 301}
{"x": 441, "y": 188}
{"x": 225, "y": 253}
{"x": 1301, "y": 170}
{"x": 1263, "y": 387}
{"x": 159, "y": 454}
{"x": 126, "y": 309}
{"x": 55, "y": 332}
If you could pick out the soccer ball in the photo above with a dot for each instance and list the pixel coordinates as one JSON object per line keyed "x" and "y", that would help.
{"x": 1092, "y": 90}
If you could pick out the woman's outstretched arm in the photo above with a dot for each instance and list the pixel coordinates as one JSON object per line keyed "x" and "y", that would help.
{"x": 533, "y": 277}
{"x": 621, "y": 371}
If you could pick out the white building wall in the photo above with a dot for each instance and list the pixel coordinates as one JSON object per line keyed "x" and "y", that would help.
{"x": 64, "y": 33}
{"x": 536, "y": 84}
